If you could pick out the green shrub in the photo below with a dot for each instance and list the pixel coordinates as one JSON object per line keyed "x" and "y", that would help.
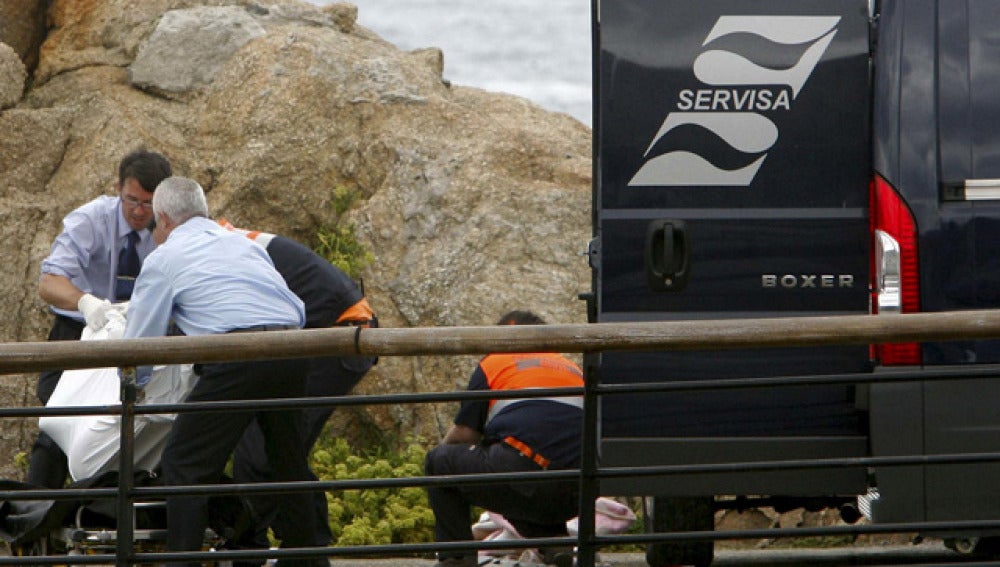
{"x": 391, "y": 515}
{"x": 339, "y": 246}
{"x": 377, "y": 516}
{"x": 336, "y": 242}
{"x": 21, "y": 461}
{"x": 343, "y": 198}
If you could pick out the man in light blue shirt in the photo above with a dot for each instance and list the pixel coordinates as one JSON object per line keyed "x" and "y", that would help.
{"x": 83, "y": 274}
{"x": 208, "y": 280}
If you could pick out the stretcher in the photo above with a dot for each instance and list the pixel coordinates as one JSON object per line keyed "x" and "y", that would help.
{"x": 86, "y": 537}
{"x": 91, "y": 444}
{"x": 89, "y": 527}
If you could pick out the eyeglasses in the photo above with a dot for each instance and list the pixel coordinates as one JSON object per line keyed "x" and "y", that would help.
{"x": 134, "y": 203}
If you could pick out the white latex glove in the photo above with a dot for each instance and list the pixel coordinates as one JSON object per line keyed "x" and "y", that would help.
{"x": 95, "y": 311}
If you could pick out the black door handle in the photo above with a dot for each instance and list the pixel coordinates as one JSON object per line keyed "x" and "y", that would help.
{"x": 667, "y": 253}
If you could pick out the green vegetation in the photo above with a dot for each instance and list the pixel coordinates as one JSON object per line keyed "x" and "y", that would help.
{"x": 337, "y": 243}
{"x": 378, "y": 516}
{"x": 343, "y": 198}
{"x": 339, "y": 246}
{"x": 397, "y": 515}
{"x": 21, "y": 461}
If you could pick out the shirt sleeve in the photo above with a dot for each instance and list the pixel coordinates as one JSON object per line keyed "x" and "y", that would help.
{"x": 72, "y": 249}
{"x": 149, "y": 310}
{"x": 473, "y": 412}
{"x": 151, "y": 305}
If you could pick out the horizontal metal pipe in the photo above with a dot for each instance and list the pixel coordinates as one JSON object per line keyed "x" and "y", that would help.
{"x": 798, "y": 464}
{"x": 291, "y": 403}
{"x": 985, "y": 371}
{"x": 152, "y": 492}
{"x": 938, "y": 527}
{"x": 398, "y": 549}
{"x": 632, "y": 336}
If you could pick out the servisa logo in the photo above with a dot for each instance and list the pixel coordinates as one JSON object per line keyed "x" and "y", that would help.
{"x": 738, "y": 91}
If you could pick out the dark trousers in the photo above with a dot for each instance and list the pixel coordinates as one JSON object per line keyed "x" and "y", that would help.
{"x": 328, "y": 376}
{"x": 47, "y": 465}
{"x": 199, "y": 445}
{"x": 536, "y": 509}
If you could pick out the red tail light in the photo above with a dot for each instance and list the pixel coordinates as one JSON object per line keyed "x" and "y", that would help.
{"x": 895, "y": 277}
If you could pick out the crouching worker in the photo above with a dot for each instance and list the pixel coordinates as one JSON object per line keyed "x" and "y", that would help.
{"x": 209, "y": 280}
{"x": 511, "y": 435}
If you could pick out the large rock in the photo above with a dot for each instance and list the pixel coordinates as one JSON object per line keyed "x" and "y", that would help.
{"x": 471, "y": 203}
{"x": 188, "y": 47}
{"x": 31, "y": 149}
{"x": 12, "y": 75}
{"x": 22, "y": 27}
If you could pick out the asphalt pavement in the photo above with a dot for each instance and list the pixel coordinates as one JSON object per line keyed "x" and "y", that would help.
{"x": 612, "y": 560}
{"x": 928, "y": 552}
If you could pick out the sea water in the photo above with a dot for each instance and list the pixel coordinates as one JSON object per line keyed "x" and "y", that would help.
{"x": 537, "y": 49}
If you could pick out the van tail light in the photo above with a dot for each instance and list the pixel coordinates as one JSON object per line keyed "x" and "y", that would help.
{"x": 895, "y": 277}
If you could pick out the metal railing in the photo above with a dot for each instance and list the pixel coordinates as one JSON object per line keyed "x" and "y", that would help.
{"x": 591, "y": 338}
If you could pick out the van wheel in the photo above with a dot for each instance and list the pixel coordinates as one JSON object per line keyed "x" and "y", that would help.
{"x": 663, "y": 514}
{"x": 974, "y": 545}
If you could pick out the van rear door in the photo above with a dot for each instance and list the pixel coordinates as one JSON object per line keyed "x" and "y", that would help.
{"x": 733, "y": 140}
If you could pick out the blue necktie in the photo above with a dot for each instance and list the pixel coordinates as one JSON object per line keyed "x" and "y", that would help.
{"x": 128, "y": 268}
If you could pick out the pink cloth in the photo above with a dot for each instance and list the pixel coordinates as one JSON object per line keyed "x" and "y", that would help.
{"x": 610, "y": 517}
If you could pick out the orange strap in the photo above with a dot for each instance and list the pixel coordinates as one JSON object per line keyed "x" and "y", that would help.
{"x": 358, "y": 315}
{"x": 528, "y": 452}
{"x": 251, "y": 234}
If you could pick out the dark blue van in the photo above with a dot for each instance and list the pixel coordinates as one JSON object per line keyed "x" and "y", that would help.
{"x": 785, "y": 158}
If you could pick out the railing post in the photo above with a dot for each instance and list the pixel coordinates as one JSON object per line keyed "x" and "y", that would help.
{"x": 589, "y": 488}
{"x": 126, "y": 448}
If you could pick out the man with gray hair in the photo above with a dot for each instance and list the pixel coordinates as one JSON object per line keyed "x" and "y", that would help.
{"x": 208, "y": 280}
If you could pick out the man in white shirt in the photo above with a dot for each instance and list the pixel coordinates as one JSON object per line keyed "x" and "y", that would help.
{"x": 208, "y": 280}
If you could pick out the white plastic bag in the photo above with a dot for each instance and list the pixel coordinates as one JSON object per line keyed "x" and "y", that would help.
{"x": 91, "y": 441}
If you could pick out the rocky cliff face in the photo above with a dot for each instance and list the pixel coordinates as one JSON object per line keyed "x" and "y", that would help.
{"x": 472, "y": 203}
{"x": 22, "y": 28}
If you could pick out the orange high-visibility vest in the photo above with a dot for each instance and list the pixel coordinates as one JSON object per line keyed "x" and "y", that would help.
{"x": 522, "y": 371}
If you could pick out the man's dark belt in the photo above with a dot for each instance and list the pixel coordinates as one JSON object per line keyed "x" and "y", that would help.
{"x": 259, "y": 328}
{"x": 527, "y": 452}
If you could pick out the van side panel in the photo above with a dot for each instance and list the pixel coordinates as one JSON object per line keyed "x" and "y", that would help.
{"x": 937, "y": 143}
